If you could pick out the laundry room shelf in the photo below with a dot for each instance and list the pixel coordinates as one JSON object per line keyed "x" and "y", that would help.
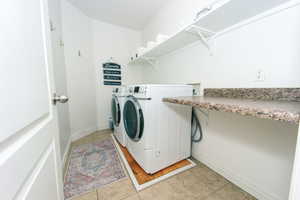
{"x": 212, "y": 21}
{"x": 279, "y": 110}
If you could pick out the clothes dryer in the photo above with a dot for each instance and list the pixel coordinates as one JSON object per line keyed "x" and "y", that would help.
{"x": 158, "y": 133}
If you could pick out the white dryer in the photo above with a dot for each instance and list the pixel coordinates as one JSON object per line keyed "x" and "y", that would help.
{"x": 158, "y": 133}
{"x": 117, "y": 103}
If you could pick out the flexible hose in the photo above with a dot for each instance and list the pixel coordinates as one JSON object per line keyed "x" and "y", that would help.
{"x": 195, "y": 127}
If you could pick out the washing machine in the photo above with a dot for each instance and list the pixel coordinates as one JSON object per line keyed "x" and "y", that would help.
{"x": 117, "y": 103}
{"x": 158, "y": 133}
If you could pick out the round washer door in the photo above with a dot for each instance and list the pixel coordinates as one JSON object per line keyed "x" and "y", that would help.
{"x": 133, "y": 119}
{"x": 115, "y": 110}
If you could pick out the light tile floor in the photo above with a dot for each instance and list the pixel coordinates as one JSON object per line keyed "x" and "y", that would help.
{"x": 198, "y": 183}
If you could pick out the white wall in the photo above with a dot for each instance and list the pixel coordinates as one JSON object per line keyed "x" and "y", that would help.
{"x": 97, "y": 41}
{"x": 77, "y": 34}
{"x": 120, "y": 43}
{"x": 255, "y": 154}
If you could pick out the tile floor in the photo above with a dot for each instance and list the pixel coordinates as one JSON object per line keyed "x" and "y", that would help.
{"x": 198, "y": 183}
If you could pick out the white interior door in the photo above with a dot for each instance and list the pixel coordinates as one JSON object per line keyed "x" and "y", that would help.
{"x": 30, "y": 164}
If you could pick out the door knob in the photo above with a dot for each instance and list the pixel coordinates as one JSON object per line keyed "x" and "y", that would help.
{"x": 59, "y": 99}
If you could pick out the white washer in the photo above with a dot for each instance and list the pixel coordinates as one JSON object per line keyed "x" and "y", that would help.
{"x": 117, "y": 103}
{"x": 158, "y": 133}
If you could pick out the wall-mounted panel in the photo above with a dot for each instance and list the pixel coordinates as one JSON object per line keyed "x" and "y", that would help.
{"x": 112, "y": 74}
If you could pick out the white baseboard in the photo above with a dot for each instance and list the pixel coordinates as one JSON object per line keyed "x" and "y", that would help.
{"x": 242, "y": 182}
{"x": 82, "y": 133}
{"x": 99, "y": 128}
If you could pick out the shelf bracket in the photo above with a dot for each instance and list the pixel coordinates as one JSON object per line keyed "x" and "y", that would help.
{"x": 151, "y": 61}
{"x": 204, "y": 40}
{"x": 205, "y": 35}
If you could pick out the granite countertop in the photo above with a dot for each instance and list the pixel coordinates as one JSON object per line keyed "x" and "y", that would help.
{"x": 281, "y": 110}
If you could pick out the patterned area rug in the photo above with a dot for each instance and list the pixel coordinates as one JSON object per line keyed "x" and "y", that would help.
{"x": 92, "y": 166}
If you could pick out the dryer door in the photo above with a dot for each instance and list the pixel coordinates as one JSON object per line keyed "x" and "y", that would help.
{"x": 133, "y": 119}
{"x": 115, "y": 110}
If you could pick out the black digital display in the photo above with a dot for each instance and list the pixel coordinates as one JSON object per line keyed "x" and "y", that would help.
{"x": 136, "y": 89}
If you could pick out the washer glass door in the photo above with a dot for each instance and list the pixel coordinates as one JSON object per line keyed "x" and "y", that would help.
{"x": 115, "y": 110}
{"x": 133, "y": 119}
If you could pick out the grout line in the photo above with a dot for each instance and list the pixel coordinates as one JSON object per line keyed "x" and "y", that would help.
{"x": 97, "y": 194}
{"x": 140, "y": 198}
{"x": 129, "y": 196}
{"x": 215, "y": 191}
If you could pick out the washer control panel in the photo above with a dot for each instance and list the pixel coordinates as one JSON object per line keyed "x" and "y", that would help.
{"x": 130, "y": 90}
{"x": 116, "y": 90}
{"x": 140, "y": 89}
{"x": 119, "y": 91}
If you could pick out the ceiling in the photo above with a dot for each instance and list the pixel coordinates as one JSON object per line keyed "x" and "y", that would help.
{"x": 129, "y": 13}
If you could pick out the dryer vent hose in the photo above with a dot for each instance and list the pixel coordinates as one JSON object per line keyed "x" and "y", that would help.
{"x": 195, "y": 127}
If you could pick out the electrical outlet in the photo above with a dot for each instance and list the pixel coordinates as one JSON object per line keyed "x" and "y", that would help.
{"x": 197, "y": 89}
{"x": 260, "y": 76}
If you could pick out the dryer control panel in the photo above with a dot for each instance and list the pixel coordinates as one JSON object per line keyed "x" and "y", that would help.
{"x": 139, "y": 91}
